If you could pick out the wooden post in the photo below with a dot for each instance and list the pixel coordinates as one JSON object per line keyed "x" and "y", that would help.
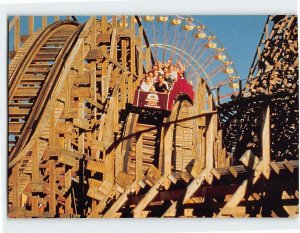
{"x": 168, "y": 140}
{"x": 15, "y": 186}
{"x": 168, "y": 146}
{"x": 35, "y": 173}
{"x": 109, "y": 174}
{"x": 124, "y": 65}
{"x": 118, "y": 159}
{"x": 114, "y": 21}
{"x": 161, "y": 149}
{"x": 209, "y": 161}
{"x": 68, "y": 182}
{"x": 148, "y": 58}
{"x": 44, "y": 22}
{"x": 107, "y": 77}
{"x": 123, "y": 22}
{"x": 139, "y": 158}
{"x": 266, "y": 142}
{"x": 93, "y": 32}
{"x": 52, "y": 126}
{"x": 236, "y": 198}
{"x": 200, "y": 123}
{"x": 140, "y": 52}
{"x": 81, "y": 133}
{"x": 30, "y": 25}
{"x": 131, "y": 88}
{"x": 104, "y": 64}
{"x": 52, "y": 182}
{"x": 17, "y": 34}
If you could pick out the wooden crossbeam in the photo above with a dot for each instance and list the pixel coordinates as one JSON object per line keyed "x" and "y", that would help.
{"x": 229, "y": 208}
{"x": 266, "y": 142}
{"x": 149, "y": 196}
{"x": 171, "y": 211}
{"x": 195, "y": 184}
{"x": 120, "y": 201}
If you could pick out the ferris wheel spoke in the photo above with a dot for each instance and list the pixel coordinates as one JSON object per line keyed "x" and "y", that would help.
{"x": 185, "y": 37}
{"x": 200, "y": 56}
{"x": 164, "y": 52}
{"x": 208, "y": 61}
{"x": 201, "y": 46}
{"x": 175, "y": 45}
{"x": 154, "y": 38}
{"x": 215, "y": 71}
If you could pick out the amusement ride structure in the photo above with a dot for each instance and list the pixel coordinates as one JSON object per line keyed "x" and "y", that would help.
{"x": 84, "y": 142}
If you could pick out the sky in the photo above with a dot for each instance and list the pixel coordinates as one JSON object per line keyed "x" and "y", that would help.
{"x": 239, "y": 35}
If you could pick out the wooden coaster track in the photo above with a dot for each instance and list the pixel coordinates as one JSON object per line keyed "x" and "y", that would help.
{"x": 77, "y": 147}
{"x": 32, "y": 81}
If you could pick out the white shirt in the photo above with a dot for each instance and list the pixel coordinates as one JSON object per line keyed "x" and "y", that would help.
{"x": 146, "y": 86}
{"x": 173, "y": 75}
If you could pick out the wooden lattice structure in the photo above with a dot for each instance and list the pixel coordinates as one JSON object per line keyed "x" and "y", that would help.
{"x": 77, "y": 148}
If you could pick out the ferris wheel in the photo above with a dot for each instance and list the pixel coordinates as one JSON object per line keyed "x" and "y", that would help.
{"x": 184, "y": 39}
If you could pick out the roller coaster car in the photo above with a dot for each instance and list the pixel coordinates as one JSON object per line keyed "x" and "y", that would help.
{"x": 164, "y": 101}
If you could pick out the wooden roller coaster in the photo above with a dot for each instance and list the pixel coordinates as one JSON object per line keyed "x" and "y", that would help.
{"x": 79, "y": 147}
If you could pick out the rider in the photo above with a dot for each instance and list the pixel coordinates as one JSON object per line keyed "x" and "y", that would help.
{"x": 147, "y": 84}
{"x": 160, "y": 86}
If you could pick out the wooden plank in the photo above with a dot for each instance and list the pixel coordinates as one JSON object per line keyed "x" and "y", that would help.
{"x": 150, "y": 195}
{"x": 101, "y": 205}
{"x": 124, "y": 180}
{"x": 153, "y": 174}
{"x": 124, "y": 66}
{"x": 234, "y": 211}
{"x": 109, "y": 174}
{"x": 185, "y": 176}
{"x": 68, "y": 183}
{"x": 15, "y": 127}
{"x": 288, "y": 165}
{"x": 168, "y": 141}
{"x": 195, "y": 184}
{"x": 171, "y": 211}
{"x": 94, "y": 54}
{"x": 17, "y": 33}
{"x": 30, "y": 25}
{"x": 249, "y": 159}
{"x": 139, "y": 158}
{"x": 103, "y": 38}
{"x": 96, "y": 166}
{"x": 13, "y": 22}
{"x": 81, "y": 123}
{"x": 216, "y": 173}
{"x": 107, "y": 77}
{"x": 275, "y": 167}
{"x": 52, "y": 188}
{"x": 15, "y": 186}
{"x": 235, "y": 199}
{"x": 35, "y": 172}
{"x": 233, "y": 171}
{"x": 172, "y": 179}
{"x": 210, "y": 137}
{"x": 44, "y": 21}
{"x": 266, "y": 142}
{"x": 120, "y": 201}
